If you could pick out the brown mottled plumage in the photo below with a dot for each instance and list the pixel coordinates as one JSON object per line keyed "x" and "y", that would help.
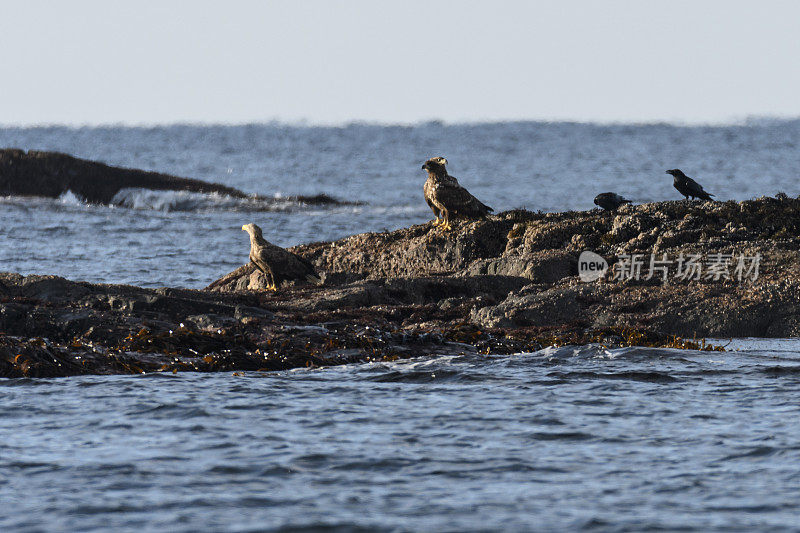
{"x": 277, "y": 264}
{"x": 446, "y": 197}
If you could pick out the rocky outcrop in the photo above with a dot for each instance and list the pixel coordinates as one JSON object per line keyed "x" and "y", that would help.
{"x": 520, "y": 269}
{"x": 50, "y": 326}
{"x": 505, "y": 284}
{"x": 51, "y": 174}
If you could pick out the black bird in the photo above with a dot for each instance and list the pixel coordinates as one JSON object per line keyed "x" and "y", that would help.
{"x": 687, "y": 186}
{"x": 610, "y": 200}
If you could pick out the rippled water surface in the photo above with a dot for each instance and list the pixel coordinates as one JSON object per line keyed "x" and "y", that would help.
{"x": 569, "y": 438}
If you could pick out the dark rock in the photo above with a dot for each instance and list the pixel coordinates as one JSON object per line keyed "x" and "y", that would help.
{"x": 535, "y": 255}
{"x": 51, "y": 174}
{"x": 505, "y": 284}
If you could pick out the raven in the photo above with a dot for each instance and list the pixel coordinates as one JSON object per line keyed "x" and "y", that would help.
{"x": 610, "y": 201}
{"x": 687, "y": 186}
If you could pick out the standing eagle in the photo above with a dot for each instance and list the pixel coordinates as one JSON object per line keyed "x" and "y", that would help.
{"x": 446, "y": 197}
{"x": 277, "y": 264}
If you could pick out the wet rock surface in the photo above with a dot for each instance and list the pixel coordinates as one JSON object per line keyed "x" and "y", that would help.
{"x": 502, "y": 285}
{"x": 50, "y": 326}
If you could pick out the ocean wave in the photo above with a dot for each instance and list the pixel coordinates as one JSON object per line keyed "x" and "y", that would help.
{"x": 71, "y": 199}
{"x": 193, "y": 201}
{"x": 185, "y": 201}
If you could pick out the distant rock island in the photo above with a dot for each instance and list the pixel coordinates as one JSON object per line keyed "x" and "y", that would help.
{"x": 51, "y": 174}
{"x": 676, "y": 272}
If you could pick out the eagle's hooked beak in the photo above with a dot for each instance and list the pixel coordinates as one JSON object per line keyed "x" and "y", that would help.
{"x": 425, "y": 166}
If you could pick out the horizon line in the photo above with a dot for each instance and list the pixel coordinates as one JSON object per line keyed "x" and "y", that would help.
{"x": 748, "y": 120}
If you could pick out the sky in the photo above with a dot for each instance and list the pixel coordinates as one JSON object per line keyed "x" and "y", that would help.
{"x": 328, "y": 62}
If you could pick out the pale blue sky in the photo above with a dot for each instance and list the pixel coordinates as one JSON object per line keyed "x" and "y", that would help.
{"x": 91, "y": 62}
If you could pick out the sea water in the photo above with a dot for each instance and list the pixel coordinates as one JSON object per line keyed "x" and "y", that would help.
{"x": 569, "y": 438}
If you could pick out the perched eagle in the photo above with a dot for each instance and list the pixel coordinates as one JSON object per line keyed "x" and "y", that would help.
{"x": 277, "y": 264}
{"x": 610, "y": 201}
{"x": 687, "y": 186}
{"x": 446, "y": 197}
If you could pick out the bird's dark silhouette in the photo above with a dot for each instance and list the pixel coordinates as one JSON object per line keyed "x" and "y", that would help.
{"x": 687, "y": 186}
{"x": 610, "y": 201}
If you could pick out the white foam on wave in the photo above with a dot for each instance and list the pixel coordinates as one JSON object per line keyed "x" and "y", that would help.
{"x": 788, "y": 347}
{"x": 70, "y": 198}
{"x": 194, "y": 201}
